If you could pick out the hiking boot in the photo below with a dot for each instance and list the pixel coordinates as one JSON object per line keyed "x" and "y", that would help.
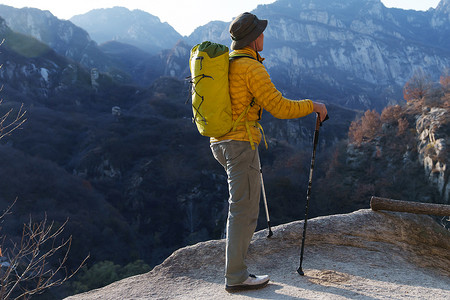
{"x": 253, "y": 282}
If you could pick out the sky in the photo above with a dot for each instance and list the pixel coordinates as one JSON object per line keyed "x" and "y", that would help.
{"x": 183, "y": 15}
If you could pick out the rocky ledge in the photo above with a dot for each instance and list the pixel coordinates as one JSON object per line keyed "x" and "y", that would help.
{"x": 361, "y": 255}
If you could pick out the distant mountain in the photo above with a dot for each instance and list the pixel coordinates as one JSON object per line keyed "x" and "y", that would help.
{"x": 33, "y": 72}
{"x": 125, "y": 62}
{"x": 137, "y": 28}
{"x": 62, "y": 36}
{"x": 131, "y": 64}
{"x": 357, "y": 53}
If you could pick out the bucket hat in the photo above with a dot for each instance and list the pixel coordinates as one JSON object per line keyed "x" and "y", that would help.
{"x": 244, "y": 29}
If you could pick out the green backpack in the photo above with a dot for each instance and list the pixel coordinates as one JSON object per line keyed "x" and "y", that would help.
{"x": 211, "y": 104}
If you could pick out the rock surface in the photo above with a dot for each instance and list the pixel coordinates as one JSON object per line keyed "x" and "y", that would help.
{"x": 432, "y": 128}
{"x": 361, "y": 255}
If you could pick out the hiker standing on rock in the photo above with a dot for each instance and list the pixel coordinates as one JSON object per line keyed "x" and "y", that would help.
{"x": 250, "y": 89}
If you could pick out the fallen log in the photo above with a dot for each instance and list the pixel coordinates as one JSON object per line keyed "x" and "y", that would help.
{"x": 377, "y": 203}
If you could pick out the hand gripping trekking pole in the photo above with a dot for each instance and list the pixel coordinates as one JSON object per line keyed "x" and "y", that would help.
{"x": 308, "y": 194}
{"x": 265, "y": 202}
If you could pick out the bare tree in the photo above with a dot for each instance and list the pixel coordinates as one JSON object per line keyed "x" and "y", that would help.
{"x": 8, "y": 125}
{"x": 10, "y": 122}
{"x": 32, "y": 264}
{"x": 418, "y": 86}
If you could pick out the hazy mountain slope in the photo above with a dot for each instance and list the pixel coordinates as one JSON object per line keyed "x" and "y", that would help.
{"x": 74, "y": 43}
{"x": 62, "y": 36}
{"x": 33, "y": 72}
{"x": 137, "y": 28}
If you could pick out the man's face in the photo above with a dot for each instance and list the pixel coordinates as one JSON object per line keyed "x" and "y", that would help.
{"x": 259, "y": 42}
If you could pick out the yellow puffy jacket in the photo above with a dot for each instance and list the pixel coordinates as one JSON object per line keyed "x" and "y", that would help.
{"x": 249, "y": 80}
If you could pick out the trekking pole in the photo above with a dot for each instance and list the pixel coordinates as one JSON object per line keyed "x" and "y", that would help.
{"x": 308, "y": 194}
{"x": 265, "y": 202}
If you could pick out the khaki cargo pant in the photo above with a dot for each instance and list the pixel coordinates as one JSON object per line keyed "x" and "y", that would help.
{"x": 244, "y": 184}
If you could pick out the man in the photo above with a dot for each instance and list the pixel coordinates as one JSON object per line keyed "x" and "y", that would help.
{"x": 251, "y": 91}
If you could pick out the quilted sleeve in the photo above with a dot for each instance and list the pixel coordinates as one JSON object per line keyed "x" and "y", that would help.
{"x": 269, "y": 98}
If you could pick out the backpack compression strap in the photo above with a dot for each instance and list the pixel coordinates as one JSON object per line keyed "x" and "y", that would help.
{"x": 247, "y": 125}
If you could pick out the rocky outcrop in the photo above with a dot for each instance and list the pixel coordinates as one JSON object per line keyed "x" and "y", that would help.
{"x": 356, "y": 255}
{"x": 433, "y": 143}
{"x": 174, "y": 60}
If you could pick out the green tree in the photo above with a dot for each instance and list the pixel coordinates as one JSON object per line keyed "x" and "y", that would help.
{"x": 106, "y": 272}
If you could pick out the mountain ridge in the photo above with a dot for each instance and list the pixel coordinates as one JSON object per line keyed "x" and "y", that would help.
{"x": 356, "y": 54}
{"x": 309, "y": 46}
{"x": 134, "y": 27}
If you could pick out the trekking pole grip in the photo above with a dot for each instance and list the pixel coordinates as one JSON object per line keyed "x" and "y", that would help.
{"x": 321, "y": 122}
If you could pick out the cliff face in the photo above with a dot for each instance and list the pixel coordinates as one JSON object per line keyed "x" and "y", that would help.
{"x": 323, "y": 49}
{"x": 357, "y": 255}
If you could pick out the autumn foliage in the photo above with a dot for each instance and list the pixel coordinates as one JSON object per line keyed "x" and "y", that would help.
{"x": 381, "y": 156}
{"x": 445, "y": 83}
{"x": 366, "y": 128}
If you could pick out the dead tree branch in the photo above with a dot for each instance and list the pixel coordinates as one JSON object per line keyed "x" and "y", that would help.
{"x": 33, "y": 267}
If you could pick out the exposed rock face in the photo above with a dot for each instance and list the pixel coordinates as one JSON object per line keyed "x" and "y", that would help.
{"x": 432, "y": 130}
{"x": 357, "y": 255}
{"x": 174, "y": 60}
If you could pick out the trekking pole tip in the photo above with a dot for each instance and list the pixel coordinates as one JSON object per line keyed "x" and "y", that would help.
{"x": 270, "y": 229}
{"x": 300, "y": 271}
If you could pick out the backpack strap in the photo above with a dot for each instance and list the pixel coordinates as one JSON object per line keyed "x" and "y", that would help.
{"x": 233, "y": 57}
{"x": 247, "y": 125}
